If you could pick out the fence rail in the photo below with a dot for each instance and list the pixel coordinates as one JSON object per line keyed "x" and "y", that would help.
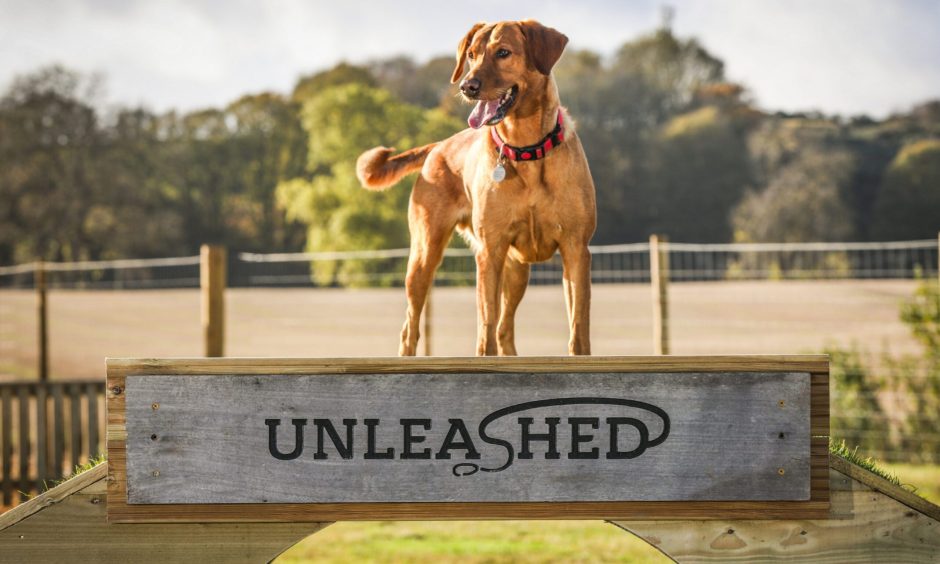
{"x": 46, "y": 429}
{"x": 625, "y": 263}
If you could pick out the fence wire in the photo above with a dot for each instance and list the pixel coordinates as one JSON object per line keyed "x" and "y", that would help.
{"x": 611, "y": 264}
{"x": 775, "y": 316}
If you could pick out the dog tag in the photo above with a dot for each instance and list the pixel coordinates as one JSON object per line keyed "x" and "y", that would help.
{"x": 499, "y": 172}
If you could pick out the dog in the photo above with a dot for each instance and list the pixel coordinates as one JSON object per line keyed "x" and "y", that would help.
{"x": 515, "y": 184}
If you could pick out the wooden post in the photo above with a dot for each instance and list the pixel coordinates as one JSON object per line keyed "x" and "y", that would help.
{"x": 212, "y": 284}
{"x": 427, "y": 323}
{"x": 43, "y": 313}
{"x": 659, "y": 280}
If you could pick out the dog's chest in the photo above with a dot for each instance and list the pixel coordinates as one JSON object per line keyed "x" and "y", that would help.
{"x": 534, "y": 225}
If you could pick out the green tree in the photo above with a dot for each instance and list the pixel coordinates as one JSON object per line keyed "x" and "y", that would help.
{"x": 312, "y": 85}
{"x": 620, "y": 109}
{"x": 49, "y": 136}
{"x": 341, "y": 122}
{"x": 270, "y": 145}
{"x": 802, "y": 202}
{"x": 908, "y": 205}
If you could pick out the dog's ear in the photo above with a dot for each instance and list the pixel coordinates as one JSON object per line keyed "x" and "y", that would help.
{"x": 462, "y": 51}
{"x": 543, "y": 45}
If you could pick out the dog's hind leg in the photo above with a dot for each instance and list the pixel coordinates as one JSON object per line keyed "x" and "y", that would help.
{"x": 514, "y": 283}
{"x": 431, "y": 223}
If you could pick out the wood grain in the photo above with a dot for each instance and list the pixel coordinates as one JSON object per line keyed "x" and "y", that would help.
{"x": 705, "y": 436}
{"x": 814, "y": 364}
{"x": 69, "y": 524}
{"x": 119, "y": 510}
{"x": 871, "y": 520}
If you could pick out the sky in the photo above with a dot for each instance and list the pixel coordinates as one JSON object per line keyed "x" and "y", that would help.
{"x": 845, "y": 57}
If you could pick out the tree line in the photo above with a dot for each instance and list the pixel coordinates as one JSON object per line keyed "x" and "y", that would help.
{"x": 674, "y": 147}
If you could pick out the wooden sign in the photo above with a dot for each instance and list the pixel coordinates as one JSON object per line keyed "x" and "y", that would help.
{"x": 342, "y": 439}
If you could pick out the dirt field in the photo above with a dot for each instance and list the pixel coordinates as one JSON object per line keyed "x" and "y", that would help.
{"x": 706, "y": 318}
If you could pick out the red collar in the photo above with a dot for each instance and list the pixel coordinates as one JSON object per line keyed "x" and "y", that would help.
{"x": 531, "y": 152}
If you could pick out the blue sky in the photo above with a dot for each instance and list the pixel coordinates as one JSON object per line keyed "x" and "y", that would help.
{"x": 838, "y": 56}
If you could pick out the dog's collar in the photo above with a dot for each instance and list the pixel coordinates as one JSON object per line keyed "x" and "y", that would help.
{"x": 532, "y": 152}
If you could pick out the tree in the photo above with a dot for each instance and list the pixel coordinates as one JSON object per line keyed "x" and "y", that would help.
{"x": 48, "y": 137}
{"x": 311, "y": 85}
{"x": 270, "y": 145}
{"x": 908, "y": 206}
{"x": 802, "y": 202}
{"x": 698, "y": 171}
{"x": 341, "y": 122}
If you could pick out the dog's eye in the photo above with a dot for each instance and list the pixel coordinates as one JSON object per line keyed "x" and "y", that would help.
{"x": 502, "y": 54}
{"x": 470, "y": 55}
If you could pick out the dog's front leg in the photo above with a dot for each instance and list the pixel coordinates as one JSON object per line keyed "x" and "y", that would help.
{"x": 577, "y": 283}
{"x": 490, "y": 262}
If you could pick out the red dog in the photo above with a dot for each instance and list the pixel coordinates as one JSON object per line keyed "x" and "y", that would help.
{"x": 516, "y": 185}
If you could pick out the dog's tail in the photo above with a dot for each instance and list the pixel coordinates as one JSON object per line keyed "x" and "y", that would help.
{"x": 377, "y": 169}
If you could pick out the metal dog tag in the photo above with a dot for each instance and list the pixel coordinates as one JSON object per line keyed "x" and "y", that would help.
{"x": 499, "y": 172}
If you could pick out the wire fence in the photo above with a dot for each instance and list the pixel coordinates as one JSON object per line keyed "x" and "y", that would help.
{"x": 626, "y": 263}
{"x": 710, "y": 316}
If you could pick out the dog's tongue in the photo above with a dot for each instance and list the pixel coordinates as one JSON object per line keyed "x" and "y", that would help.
{"x": 484, "y": 111}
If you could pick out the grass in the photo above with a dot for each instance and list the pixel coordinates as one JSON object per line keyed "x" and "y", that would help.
{"x": 472, "y": 542}
{"x": 842, "y": 450}
{"x": 79, "y": 469}
{"x": 922, "y": 479}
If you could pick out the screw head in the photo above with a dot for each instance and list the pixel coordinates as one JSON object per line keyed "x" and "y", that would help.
{"x": 155, "y": 406}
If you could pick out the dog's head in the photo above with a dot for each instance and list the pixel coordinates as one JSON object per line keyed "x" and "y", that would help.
{"x": 505, "y": 60}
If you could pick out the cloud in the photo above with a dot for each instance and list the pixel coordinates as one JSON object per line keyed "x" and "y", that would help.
{"x": 839, "y": 56}
{"x": 858, "y": 56}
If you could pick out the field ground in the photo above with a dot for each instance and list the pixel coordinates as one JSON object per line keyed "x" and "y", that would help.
{"x": 706, "y": 318}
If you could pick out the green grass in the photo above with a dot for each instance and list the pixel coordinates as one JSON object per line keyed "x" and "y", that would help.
{"x": 79, "y": 469}
{"x": 472, "y": 541}
{"x": 842, "y": 450}
{"x": 922, "y": 479}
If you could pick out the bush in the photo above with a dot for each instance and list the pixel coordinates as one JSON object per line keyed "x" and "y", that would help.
{"x": 897, "y": 414}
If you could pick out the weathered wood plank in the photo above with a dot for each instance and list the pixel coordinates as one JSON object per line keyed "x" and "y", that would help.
{"x": 533, "y": 437}
{"x": 71, "y": 520}
{"x": 58, "y": 429}
{"x": 865, "y": 526}
{"x": 814, "y": 364}
{"x": 42, "y": 436}
{"x": 75, "y": 423}
{"x": 91, "y": 395}
{"x": 24, "y": 446}
{"x": 119, "y": 510}
{"x": 6, "y": 445}
{"x": 869, "y": 523}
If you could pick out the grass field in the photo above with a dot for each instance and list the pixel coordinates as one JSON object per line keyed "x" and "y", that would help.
{"x": 706, "y": 318}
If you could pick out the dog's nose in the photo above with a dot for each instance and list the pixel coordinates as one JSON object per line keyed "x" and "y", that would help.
{"x": 471, "y": 87}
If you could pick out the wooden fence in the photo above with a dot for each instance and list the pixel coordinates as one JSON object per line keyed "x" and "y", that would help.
{"x": 46, "y": 429}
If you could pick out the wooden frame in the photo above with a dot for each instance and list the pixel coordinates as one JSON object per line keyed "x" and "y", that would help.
{"x": 816, "y": 507}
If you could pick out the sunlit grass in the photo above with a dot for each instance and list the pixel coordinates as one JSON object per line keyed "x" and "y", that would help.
{"x": 473, "y": 541}
{"x": 922, "y": 479}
